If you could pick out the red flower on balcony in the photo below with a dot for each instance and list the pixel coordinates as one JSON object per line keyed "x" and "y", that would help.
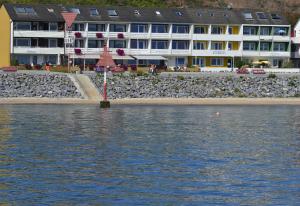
{"x": 77, "y": 51}
{"x": 120, "y": 36}
{"x": 77, "y": 34}
{"x": 120, "y": 52}
{"x": 99, "y": 35}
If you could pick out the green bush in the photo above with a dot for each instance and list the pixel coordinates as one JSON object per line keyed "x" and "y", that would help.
{"x": 272, "y": 76}
{"x": 180, "y": 78}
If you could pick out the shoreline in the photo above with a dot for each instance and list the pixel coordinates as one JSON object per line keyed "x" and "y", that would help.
{"x": 154, "y": 101}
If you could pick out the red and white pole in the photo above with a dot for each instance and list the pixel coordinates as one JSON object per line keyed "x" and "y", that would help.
{"x": 105, "y": 87}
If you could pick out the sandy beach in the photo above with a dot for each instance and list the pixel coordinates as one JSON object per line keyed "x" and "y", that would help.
{"x": 158, "y": 101}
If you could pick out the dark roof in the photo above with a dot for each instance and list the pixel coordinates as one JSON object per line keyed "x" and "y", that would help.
{"x": 127, "y": 14}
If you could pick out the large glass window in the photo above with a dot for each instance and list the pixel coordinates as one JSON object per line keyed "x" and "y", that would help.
{"x": 96, "y": 27}
{"x": 22, "y": 26}
{"x": 199, "y": 61}
{"x": 265, "y": 31}
{"x": 217, "y": 30}
{"x": 217, "y": 62}
{"x": 265, "y": 46}
{"x": 180, "y": 44}
{"x": 117, "y": 27}
{"x": 117, "y": 44}
{"x": 139, "y": 44}
{"x": 79, "y": 43}
{"x": 199, "y": 45}
{"x": 281, "y": 31}
{"x": 280, "y": 46}
{"x": 249, "y": 46}
{"x": 94, "y": 12}
{"x": 159, "y": 44}
{"x": 180, "y": 61}
{"x": 139, "y": 28}
{"x": 53, "y": 26}
{"x": 52, "y": 42}
{"x": 95, "y": 43}
{"x": 78, "y": 27}
{"x": 22, "y": 42}
{"x": 159, "y": 28}
{"x": 200, "y": 30}
{"x": 181, "y": 29}
{"x": 217, "y": 45}
{"x": 250, "y": 30}
{"x": 23, "y": 59}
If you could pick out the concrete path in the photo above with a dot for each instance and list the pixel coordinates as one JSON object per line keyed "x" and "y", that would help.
{"x": 86, "y": 87}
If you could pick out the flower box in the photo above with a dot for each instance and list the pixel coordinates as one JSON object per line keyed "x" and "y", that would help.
{"x": 120, "y": 52}
{"x": 120, "y": 36}
{"x": 77, "y": 51}
{"x": 99, "y": 35}
{"x": 78, "y": 35}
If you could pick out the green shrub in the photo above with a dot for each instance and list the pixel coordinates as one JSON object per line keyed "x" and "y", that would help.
{"x": 272, "y": 76}
{"x": 180, "y": 78}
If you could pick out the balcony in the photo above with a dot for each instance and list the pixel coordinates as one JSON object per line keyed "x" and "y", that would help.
{"x": 40, "y": 33}
{"x": 295, "y": 55}
{"x": 217, "y": 53}
{"x": 38, "y": 50}
{"x": 281, "y": 38}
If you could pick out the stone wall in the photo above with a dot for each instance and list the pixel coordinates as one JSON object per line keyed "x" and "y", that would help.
{"x": 200, "y": 86}
{"x": 50, "y": 85}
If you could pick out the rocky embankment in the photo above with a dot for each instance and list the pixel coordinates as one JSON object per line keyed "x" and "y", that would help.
{"x": 37, "y": 85}
{"x": 120, "y": 86}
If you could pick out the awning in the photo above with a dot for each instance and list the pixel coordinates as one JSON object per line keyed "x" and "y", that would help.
{"x": 150, "y": 57}
{"x": 126, "y": 57}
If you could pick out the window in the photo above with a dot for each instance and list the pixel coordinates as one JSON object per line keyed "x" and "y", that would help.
{"x": 180, "y": 61}
{"x": 265, "y": 46}
{"x": 52, "y": 59}
{"x": 281, "y": 31}
{"x": 199, "y": 14}
{"x": 23, "y": 59}
{"x": 112, "y": 12}
{"x": 136, "y": 12}
{"x": 200, "y": 30}
{"x": 77, "y": 27}
{"x": 53, "y": 26}
{"x": 178, "y": 13}
{"x": 217, "y": 62}
{"x": 117, "y": 44}
{"x": 249, "y": 46}
{"x": 211, "y": 14}
{"x": 217, "y": 45}
{"x": 265, "y": 31}
{"x": 139, "y": 28}
{"x": 199, "y": 45}
{"x": 139, "y": 44}
{"x": 180, "y": 44}
{"x": 24, "y": 10}
{"x": 280, "y": 46}
{"x": 50, "y": 10}
{"x": 52, "y": 42}
{"x": 217, "y": 30}
{"x": 250, "y": 30}
{"x": 79, "y": 43}
{"x": 248, "y": 16}
{"x": 22, "y": 42}
{"x": 23, "y": 26}
{"x": 199, "y": 61}
{"x": 96, "y": 27}
{"x": 261, "y": 15}
{"x": 159, "y": 28}
{"x": 181, "y": 29}
{"x": 229, "y": 46}
{"x": 95, "y": 43}
{"x": 230, "y": 30}
{"x": 159, "y": 44}
{"x": 75, "y": 10}
{"x": 275, "y": 17}
{"x": 117, "y": 27}
{"x": 94, "y": 12}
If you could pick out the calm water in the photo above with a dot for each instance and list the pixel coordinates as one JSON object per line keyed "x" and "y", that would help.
{"x": 149, "y": 155}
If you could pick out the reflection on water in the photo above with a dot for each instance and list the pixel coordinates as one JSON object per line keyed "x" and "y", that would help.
{"x": 149, "y": 155}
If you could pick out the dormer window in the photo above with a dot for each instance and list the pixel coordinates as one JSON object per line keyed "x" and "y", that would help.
{"x": 137, "y": 13}
{"x": 178, "y": 13}
{"x": 50, "y": 10}
{"x": 261, "y": 15}
{"x": 24, "y": 10}
{"x": 75, "y": 10}
{"x": 275, "y": 17}
{"x": 29, "y": 10}
{"x": 112, "y": 12}
{"x": 199, "y": 14}
{"x": 158, "y": 13}
{"x": 248, "y": 16}
{"x": 211, "y": 14}
{"x": 94, "y": 12}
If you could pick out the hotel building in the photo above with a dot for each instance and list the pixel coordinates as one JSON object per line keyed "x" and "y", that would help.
{"x": 296, "y": 45}
{"x": 210, "y": 38}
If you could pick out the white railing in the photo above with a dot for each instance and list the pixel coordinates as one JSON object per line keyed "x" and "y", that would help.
{"x": 49, "y": 34}
{"x": 38, "y": 50}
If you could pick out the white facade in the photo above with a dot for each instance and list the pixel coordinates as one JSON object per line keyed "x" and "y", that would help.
{"x": 295, "y": 54}
{"x": 184, "y": 48}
